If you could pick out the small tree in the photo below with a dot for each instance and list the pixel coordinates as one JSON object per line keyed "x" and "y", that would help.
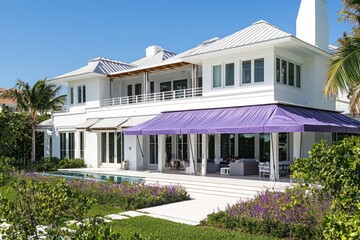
{"x": 42, "y": 98}
{"x": 336, "y": 169}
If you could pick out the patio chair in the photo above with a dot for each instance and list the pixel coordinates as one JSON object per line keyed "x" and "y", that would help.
{"x": 182, "y": 165}
{"x": 264, "y": 169}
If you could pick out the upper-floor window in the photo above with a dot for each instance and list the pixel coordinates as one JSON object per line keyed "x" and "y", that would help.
{"x": 81, "y": 94}
{"x": 288, "y": 73}
{"x": 229, "y": 74}
{"x": 217, "y": 76}
{"x": 71, "y": 95}
{"x": 223, "y": 79}
{"x": 252, "y": 71}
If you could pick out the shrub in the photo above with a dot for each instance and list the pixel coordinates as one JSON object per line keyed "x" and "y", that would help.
{"x": 124, "y": 195}
{"x": 50, "y": 204}
{"x": 337, "y": 169}
{"x": 6, "y": 168}
{"x": 45, "y": 164}
{"x": 279, "y": 214}
{"x": 71, "y": 163}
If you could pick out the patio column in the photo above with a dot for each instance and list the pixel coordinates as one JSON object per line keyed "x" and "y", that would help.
{"x": 204, "y": 155}
{"x": 47, "y": 134}
{"x": 274, "y": 156}
{"x": 193, "y": 154}
{"x": 296, "y": 145}
{"x": 217, "y": 146}
{"x": 77, "y": 144}
{"x": 161, "y": 153}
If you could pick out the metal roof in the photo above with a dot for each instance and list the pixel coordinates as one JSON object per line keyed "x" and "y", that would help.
{"x": 133, "y": 121}
{"x": 99, "y": 65}
{"x": 109, "y": 123}
{"x": 88, "y": 123}
{"x": 260, "y": 31}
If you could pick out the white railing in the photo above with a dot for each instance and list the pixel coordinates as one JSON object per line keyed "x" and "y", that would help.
{"x": 153, "y": 97}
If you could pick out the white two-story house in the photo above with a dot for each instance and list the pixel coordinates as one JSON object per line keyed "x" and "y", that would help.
{"x": 255, "y": 94}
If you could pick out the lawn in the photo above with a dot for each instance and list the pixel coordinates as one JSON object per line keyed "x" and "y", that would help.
{"x": 153, "y": 228}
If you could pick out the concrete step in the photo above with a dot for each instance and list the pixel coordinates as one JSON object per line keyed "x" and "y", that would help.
{"x": 243, "y": 190}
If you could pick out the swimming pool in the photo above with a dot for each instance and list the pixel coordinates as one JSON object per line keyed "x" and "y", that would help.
{"x": 96, "y": 176}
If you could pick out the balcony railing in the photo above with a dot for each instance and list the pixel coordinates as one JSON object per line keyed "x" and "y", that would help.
{"x": 152, "y": 97}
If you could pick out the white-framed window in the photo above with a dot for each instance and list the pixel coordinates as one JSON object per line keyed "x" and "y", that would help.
{"x": 252, "y": 71}
{"x": 223, "y": 75}
{"x": 72, "y": 95}
{"x": 229, "y": 74}
{"x": 154, "y": 149}
{"x": 217, "y": 79}
{"x": 81, "y": 94}
{"x": 288, "y": 73}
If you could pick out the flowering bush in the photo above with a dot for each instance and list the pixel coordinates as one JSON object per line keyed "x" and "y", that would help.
{"x": 293, "y": 213}
{"x": 124, "y": 195}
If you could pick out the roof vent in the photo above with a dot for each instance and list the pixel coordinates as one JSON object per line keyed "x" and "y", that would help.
{"x": 152, "y": 50}
{"x": 210, "y": 41}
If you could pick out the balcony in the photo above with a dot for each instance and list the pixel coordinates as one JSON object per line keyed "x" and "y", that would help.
{"x": 153, "y": 97}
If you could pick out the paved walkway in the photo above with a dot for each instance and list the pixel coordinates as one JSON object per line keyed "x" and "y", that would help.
{"x": 188, "y": 212}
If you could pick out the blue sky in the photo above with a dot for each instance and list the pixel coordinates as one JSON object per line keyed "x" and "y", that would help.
{"x": 45, "y": 38}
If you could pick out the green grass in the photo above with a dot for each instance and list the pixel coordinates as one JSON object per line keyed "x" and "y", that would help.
{"x": 153, "y": 228}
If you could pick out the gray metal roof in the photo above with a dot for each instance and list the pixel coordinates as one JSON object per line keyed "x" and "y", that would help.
{"x": 260, "y": 31}
{"x": 156, "y": 59}
{"x": 99, "y": 65}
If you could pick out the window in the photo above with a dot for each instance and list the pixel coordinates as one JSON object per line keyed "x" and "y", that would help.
{"x": 216, "y": 76}
{"x": 283, "y": 147}
{"x": 283, "y": 71}
{"x": 103, "y": 147}
{"x": 153, "y": 149}
{"x": 264, "y": 139}
{"x": 227, "y": 145}
{"x": 62, "y": 145}
{"x": 298, "y": 72}
{"x": 278, "y": 73}
{"x": 168, "y": 148}
{"x": 247, "y": 145}
{"x": 259, "y": 70}
{"x": 71, "y": 145}
{"x": 288, "y": 73}
{"x": 81, "y": 94}
{"x": 246, "y": 72}
{"x": 291, "y": 74}
{"x": 82, "y": 145}
{"x": 120, "y": 147}
{"x": 229, "y": 74}
{"x": 182, "y": 146}
{"x": 71, "y": 95}
{"x": 111, "y": 147}
{"x": 138, "y": 89}
{"x": 211, "y": 146}
{"x": 129, "y": 90}
{"x": 152, "y": 87}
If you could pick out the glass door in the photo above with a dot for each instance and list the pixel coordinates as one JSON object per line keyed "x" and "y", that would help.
{"x": 178, "y": 86}
{"x": 111, "y": 147}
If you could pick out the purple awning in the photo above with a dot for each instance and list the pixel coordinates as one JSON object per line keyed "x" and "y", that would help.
{"x": 249, "y": 119}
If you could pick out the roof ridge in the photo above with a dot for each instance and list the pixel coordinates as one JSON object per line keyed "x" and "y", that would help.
{"x": 109, "y": 60}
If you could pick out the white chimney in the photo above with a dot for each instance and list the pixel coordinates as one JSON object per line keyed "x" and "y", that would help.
{"x": 312, "y": 23}
{"x": 152, "y": 50}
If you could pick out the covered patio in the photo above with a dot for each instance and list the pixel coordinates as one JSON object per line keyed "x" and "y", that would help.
{"x": 305, "y": 126}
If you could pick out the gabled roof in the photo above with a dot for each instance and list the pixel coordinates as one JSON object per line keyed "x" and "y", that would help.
{"x": 99, "y": 65}
{"x": 260, "y": 31}
{"x": 158, "y": 58}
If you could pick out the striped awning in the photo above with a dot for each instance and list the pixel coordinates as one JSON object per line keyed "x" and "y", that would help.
{"x": 87, "y": 124}
{"x": 133, "y": 121}
{"x": 109, "y": 123}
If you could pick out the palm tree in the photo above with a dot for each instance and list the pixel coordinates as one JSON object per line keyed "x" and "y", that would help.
{"x": 40, "y": 99}
{"x": 344, "y": 67}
